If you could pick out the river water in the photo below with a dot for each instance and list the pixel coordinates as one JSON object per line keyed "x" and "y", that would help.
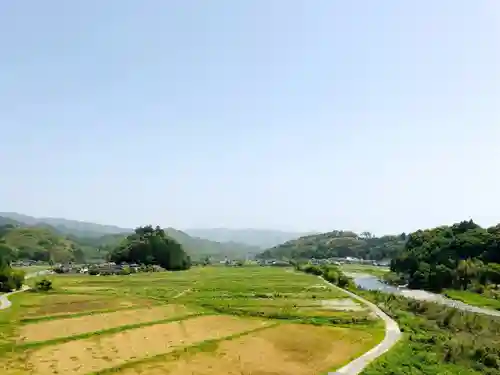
{"x": 370, "y": 282}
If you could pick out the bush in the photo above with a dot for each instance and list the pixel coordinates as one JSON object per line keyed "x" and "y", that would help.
{"x": 332, "y": 276}
{"x": 93, "y": 271}
{"x": 17, "y": 277}
{"x": 43, "y": 285}
{"x": 58, "y": 270}
{"x": 330, "y": 273}
{"x": 11, "y": 279}
{"x": 125, "y": 271}
{"x": 344, "y": 281}
{"x": 309, "y": 268}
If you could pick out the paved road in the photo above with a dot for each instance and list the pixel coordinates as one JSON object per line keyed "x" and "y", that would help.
{"x": 4, "y": 298}
{"x": 392, "y": 336}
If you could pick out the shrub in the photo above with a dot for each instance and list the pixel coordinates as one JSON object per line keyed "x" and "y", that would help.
{"x": 344, "y": 281}
{"x": 10, "y": 279}
{"x": 58, "y": 269}
{"x": 43, "y": 285}
{"x": 17, "y": 277}
{"x": 125, "y": 271}
{"x": 309, "y": 268}
{"x": 332, "y": 276}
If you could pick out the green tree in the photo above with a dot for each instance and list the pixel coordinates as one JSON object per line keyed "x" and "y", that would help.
{"x": 148, "y": 246}
{"x": 461, "y": 256}
{"x": 7, "y": 254}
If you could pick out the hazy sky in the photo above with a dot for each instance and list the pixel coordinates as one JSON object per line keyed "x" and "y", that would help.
{"x": 296, "y": 115}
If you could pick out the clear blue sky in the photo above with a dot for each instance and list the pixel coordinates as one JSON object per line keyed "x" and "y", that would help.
{"x": 295, "y": 115}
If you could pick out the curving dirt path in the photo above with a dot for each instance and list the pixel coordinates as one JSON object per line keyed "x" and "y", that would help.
{"x": 4, "y": 298}
{"x": 392, "y": 336}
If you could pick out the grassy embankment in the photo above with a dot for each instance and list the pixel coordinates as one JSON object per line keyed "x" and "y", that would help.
{"x": 438, "y": 340}
{"x": 472, "y": 298}
{"x": 249, "y": 320}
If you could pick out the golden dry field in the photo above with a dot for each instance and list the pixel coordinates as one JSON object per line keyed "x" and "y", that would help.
{"x": 208, "y": 320}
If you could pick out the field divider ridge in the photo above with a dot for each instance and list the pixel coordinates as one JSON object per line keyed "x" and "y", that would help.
{"x": 185, "y": 350}
{"x": 110, "y": 331}
{"x": 37, "y": 319}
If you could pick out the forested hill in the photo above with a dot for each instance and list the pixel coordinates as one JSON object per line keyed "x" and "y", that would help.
{"x": 338, "y": 244}
{"x": 18, "y": 241}
{"x": 73, "y": 240}
{"x": 461, "y": 256}
{"x": 65, "y": 226}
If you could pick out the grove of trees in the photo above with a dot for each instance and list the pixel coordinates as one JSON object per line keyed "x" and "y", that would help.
{"x": 339, "y": 243}
{"x": 151, "y": 246}
{"x": 461, "y": 256}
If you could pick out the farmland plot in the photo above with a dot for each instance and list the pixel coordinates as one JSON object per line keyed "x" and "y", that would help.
{"x": 208, "y": 320}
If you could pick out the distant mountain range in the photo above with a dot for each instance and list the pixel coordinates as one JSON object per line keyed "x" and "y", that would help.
{"x": 98, "y": 235}
{"x": 260, "y": 238}
{"x": 263, "y": 238}
{"x": 74, "y": 227}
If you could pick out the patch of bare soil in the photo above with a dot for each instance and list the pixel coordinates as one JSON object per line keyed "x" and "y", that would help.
{"x": 66, "y": 327}
{"x": 65, "y": 308}
{"x": 284, "y": 350}
{"x": 345, "y": 304}
{"x": 90, "y": 355}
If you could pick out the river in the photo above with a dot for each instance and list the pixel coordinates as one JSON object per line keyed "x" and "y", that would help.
{"x": 370, "y": 282}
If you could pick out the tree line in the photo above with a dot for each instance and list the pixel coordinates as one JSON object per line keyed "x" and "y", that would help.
{"x": 461, "y": 256}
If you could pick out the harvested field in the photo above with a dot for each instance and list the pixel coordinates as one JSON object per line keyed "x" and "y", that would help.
{"x": 100, "y": 334}
{"x": 289, "y": 349}
{"x": 87, "y": 289}
{"x": 53, "y": 329}
{"x": 65, "y": 308}
{"x": 91, "y": 355}
{"x": 31, "y": 300}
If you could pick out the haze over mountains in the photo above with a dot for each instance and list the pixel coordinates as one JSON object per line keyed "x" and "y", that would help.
{"x": 263, "y": 238}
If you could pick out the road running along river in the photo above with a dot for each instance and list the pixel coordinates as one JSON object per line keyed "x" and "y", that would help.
{"x": 370, "y": 282}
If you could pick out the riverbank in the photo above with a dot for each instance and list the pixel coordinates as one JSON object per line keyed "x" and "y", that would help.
{"x": 473, "y": 299}
{"x": 373, "y": 283}
{"x": 437, "y": 339}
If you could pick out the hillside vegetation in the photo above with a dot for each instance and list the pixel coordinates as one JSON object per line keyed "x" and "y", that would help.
{"x": 36, "y": 239}
{"x": 65, "y": 226}
{"x": 338, "y": 244}
{"x": 462, "y": 256}
{"x": 38, "y": 244}
{"x": 437, "y": 340}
